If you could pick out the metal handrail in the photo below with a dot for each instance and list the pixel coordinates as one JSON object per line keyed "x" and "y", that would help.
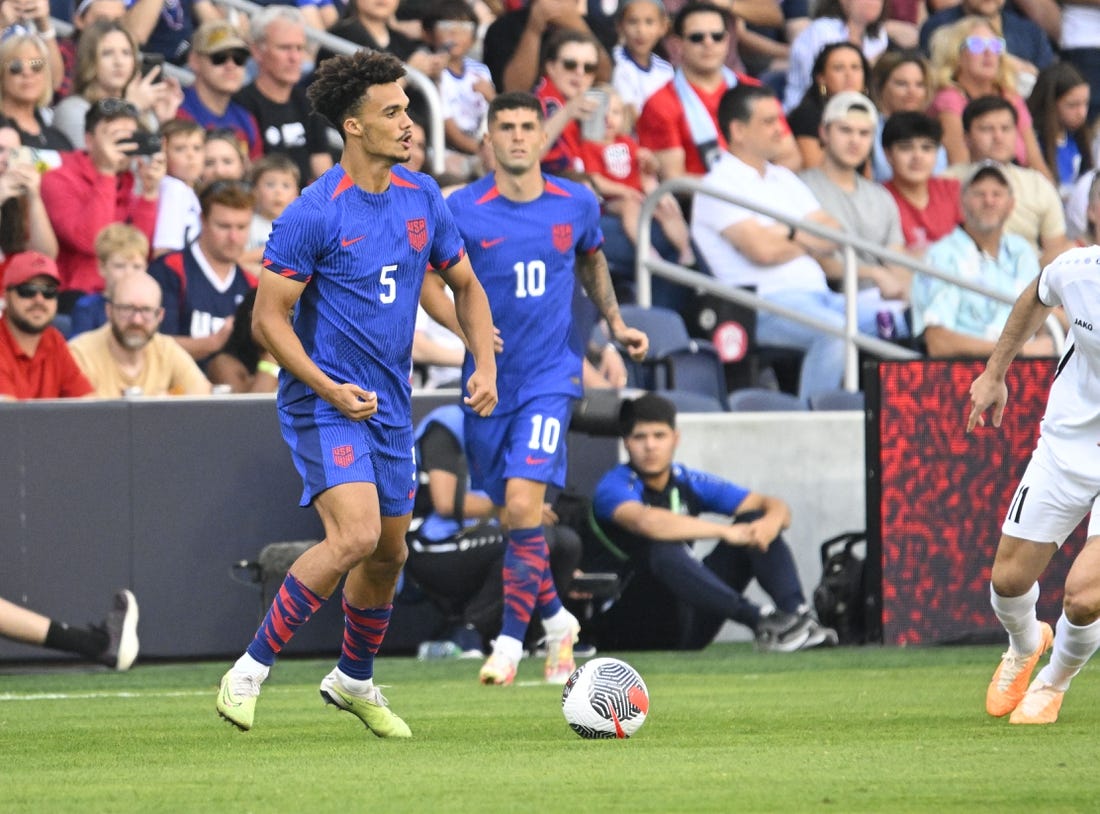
{"x": 645, "y": 266}
{"x": 337, "y": 45}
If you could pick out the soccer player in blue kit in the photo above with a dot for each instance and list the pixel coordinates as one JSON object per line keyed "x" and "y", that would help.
{"x": 530, "y": 236}
{"x": 347, "y": 260}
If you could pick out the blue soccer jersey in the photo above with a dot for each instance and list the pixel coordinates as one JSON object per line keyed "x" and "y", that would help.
{"x": 524, "y": 256}
{"x": 689, "y": 491}
{"x": 362, "y": 256}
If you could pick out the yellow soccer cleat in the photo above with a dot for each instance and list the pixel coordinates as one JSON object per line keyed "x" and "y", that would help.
{"x": 237, "y": 698}
{"x": 370, "y": 707}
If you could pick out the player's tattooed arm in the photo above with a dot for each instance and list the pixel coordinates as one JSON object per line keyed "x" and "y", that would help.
{"x": 596, "y": 279}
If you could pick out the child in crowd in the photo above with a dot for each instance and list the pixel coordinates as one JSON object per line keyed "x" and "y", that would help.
{"x": 178, "y": 212}
{"x": 120, "y": 249}
{"x": 930, "y": 208}
{"x": 183, "y": 147}
{"x": 638, "y": 71}
{"x": 275, "y": 183}
{"x": 465, "y": 85}
{"x": 623, "y": 173}
{"x": 225, "y": 157}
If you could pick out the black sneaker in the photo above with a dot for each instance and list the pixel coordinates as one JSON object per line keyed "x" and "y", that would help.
{"x": 780, "y": 632}
{"x": 121, "y": 627}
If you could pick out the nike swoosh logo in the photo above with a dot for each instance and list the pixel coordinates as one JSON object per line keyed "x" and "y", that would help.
{"x": 227, "y": 699}
{"x": 345, "y": 242}
{"x": 536, "y": 461}
{"x": 488, "y": 244}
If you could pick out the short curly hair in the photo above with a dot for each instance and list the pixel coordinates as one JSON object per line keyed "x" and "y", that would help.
{"x": 342, "y": 83}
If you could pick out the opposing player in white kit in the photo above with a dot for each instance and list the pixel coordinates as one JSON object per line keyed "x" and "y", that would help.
{"x": 1061, "y": 484}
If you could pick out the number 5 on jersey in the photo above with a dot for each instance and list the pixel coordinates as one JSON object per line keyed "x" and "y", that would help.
{"x": 389, "y": 284}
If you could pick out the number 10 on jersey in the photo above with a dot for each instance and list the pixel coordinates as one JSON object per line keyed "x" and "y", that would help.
{"x": 530, "y": 279}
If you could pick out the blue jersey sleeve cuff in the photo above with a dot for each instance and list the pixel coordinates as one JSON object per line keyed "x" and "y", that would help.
{"x": 446, "y": 264}
{"x": 286, "y": 271}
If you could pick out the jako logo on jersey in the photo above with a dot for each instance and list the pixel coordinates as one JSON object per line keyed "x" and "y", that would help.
{"x": 418, "y": 233}
{"x": 1086, "y": 325}
{"x": 563, "y": 236}
{"x": 343, "y": 456}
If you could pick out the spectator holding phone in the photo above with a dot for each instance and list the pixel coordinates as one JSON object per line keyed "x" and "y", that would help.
{"x": 116, "y": 178}
{"x": 108, "y": 64}
{"x": 24, "y": 222}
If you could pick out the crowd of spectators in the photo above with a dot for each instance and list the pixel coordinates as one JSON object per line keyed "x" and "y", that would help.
{"x": 97, "y": 132}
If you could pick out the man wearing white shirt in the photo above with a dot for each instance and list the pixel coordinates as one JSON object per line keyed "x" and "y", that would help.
{"x": 744, "y": 248}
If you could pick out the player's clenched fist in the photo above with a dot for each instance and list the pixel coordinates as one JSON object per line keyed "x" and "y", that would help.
{"x": 483, "y": 393}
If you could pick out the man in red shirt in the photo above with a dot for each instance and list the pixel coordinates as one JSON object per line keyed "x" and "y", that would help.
{"x": 685, "y": 137}
{"x": 35, "y": 362}
{"x": 930, "y": 208}
{"x": 106, "y": 183}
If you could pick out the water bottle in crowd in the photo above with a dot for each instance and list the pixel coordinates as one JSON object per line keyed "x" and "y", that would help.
{"x": 429, "y": 651}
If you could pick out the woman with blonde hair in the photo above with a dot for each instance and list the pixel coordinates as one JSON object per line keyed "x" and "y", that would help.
{"x": 969, "y": 60}
{"x": 108, "y": 65}
{"x": 26, "y": 87}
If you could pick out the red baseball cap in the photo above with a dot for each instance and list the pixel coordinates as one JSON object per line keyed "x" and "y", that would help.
{"x": 28, "y": 265}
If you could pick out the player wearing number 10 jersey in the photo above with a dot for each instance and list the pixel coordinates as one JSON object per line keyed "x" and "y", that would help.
{"x": 530, "y": 237}
{"x": 336, "y": 306}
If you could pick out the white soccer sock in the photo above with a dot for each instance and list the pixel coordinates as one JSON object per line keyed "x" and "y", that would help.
{"x": 247, "y": 664}
{"x": 1017, "y": 614}
{"x": 560, "y": 623}
{"x": 1073, "y": 646}
{"x": 511, "y": 649}
{"x": 356, "y": 686}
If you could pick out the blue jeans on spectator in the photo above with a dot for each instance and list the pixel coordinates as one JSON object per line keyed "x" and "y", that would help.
{"x": 620, "y": 255}
{"x": 823, "y": 364}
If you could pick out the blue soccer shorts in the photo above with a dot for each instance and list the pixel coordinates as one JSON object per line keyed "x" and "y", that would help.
{"x": 329, "y": 449}
{"x": 528, "y": 443}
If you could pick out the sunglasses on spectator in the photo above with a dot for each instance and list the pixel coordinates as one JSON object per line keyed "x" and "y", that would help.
{"x": 240, "y": 58}
{"x": 112, "y": 106}
{"x": 27, "y": 291}
{"x": 979, "y": 45}
{"x": 699, "y": 37}
{"x": 572, "y": 65}
{"x": 16, "y": 66}
{"x": 456, "y": 25}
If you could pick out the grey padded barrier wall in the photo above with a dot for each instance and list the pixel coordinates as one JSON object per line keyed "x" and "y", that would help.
{"x": 163, "y": 496}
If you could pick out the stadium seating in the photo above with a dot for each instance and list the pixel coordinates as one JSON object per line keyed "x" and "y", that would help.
{"x": 837, "y": 400}
{"x": 675, "y": 361}
{"x": 761, "y": 400}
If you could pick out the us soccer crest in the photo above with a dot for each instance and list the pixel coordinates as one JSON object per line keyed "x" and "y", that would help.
{"x": 343, "y": 456}
{"x": 563, "y": 236}
{"x": 418, "y": 233}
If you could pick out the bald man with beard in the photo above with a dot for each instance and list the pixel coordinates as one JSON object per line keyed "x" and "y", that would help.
{"x": 128, "y": 356}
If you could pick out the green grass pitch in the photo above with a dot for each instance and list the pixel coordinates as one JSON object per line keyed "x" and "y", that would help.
{"x": 730, "y": 730}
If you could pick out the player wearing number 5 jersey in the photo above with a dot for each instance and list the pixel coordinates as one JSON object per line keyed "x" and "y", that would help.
{"x": 1058, "y": 488}
{"x": 530, "y": 237}
{"x": 345, "y": 262}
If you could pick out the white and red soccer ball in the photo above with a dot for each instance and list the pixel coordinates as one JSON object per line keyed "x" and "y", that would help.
{"x": 605, "y": 698}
